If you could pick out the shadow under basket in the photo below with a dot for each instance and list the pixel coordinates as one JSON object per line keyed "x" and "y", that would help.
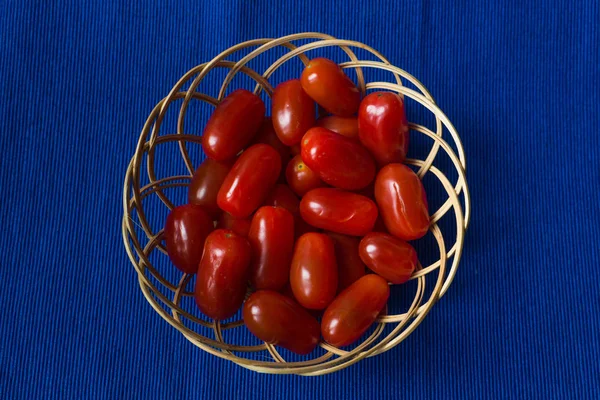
{"x": 152, "y": 188}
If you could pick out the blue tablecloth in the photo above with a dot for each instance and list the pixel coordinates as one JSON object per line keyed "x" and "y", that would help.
{"x": 521, "y": 83}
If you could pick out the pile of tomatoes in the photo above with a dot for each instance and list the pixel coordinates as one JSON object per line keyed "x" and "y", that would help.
{"x": 302, "y": 206}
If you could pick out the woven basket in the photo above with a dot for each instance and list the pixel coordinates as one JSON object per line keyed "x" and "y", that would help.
{"x": 165, "y": 295}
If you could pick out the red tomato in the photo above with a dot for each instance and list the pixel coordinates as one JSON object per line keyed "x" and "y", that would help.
{"x": 345, "y": 126}
{"x": 185, "y": 231}
{"x": 272, "y": 239}
{"x": 250, "y": 180}
{"x": 293, "y": 112}
{"x": 205, "y": 185}
{"x": 279, "y": 320}
{"x": 402, "y": 202}
{"x": 388, "y": 256}
{"x": 267, "y": 135}
{"x": 383, "y": 128}
{"x": 339, "y": 211}
{"x": 282, "y": 196}
{"x": 223, "y": 274}
{"x": 313, "y": 276}
{"x": 350, "y": 266}
{"x": 328, "y": 85}
{"x": 232, "y": 125}
{"x": 300, "y": 178}
{"x": 241, "y": 226}
{"x": 354, "y": 310}
{"x": 338, "y": 160}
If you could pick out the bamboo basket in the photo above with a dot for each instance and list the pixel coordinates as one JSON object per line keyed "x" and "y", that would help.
{"x": 165, "y": 295}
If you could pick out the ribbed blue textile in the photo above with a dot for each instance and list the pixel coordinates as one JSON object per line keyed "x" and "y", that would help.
{"x": 519, "y": 80}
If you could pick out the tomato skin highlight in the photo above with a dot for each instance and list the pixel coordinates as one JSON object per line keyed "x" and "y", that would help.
{"x": 271, "y": 237}
{"x": 205, "y": 185}
{"x": 402, "y": 202}
{"x": 223, "y": 274}
{"x": 327, "y": 84}
{"x": 339, "y": 211}
{"x": 186, "y": 229}
{"x": 249, "y": 181}
{"x": 240, "y": 226}
{"x": 383, "y": 128}
{"x": 350, "y": 266}
{"x": 300, "y": 177}
{"x": 313, "y": 274}
{"x": 232, "y": 125}
{"x": 339, "y": 161}
{"x": 388, "y": 256}
{"x": 354, "y": 310}
{"x": 279, "y": 320}
{"x": 345, "y": 126}
{"x": 293, "y": 112}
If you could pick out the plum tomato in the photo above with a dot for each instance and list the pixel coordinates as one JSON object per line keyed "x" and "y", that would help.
{"x": 249, "y": 181}
{"x": 402, "y": 202}
{"x": 327, "y": 84}
{"x": 186, "y": 229}
{"x": 276, "y": 319}
{"x": 337, "y": 160}
{"x": 339, "y": 211}
{"x": 354, "y": 310}
{"x": 350, "y": 266}
{"x": 271, "y": 237}
{"x": 383, "y": 128}
{"x": 300, "y": 178}
{"x": 293, "y": 112}
{"x": 388, "y": 256}
{"x": 345, "y": 126}
{"x": 205, "y": 185}
{"x": 223, "y": 274}
{"x": 232, "y": 125}
{"x": 313, "y": 275}
{"x": 241, "y": 226}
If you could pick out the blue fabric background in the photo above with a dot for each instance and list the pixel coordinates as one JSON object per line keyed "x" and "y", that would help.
{"x": 521, "y": 84}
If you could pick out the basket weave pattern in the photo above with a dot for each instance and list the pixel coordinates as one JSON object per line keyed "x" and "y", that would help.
{"x": 139, "y": 247}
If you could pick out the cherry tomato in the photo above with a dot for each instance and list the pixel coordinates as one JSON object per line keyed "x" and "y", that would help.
{"x": 241, "y": 226}
{"x": 250, "y": 180}
{"x": 282, "y": 196}
{"x": 338, "y": 160}
{"x": 350, "y": 266}
{"x": 272, "y": 239}
{"x": 345, "y": 126}
{"x": 266, "y": 135}
{"x": 287, "y": 292}
{"x": 402, "y": 202}
{"x": 383, "y": 128}
{"x": 339, "y": 211}
{"x": 185, "y": 231}
{"x": 293, "y": 112}
{"x": 279, "y": 320}
{"x": 328, "y": 85}
{"x": 313, "y": 275}
{"x": 223, "y": 274}
{"x": 354, "y": 310}
{"x": 388, "y": 256}
{"x": 300, "y": 178}
{"x": 232, "y": 125}
{"x": 205, "y": 185}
